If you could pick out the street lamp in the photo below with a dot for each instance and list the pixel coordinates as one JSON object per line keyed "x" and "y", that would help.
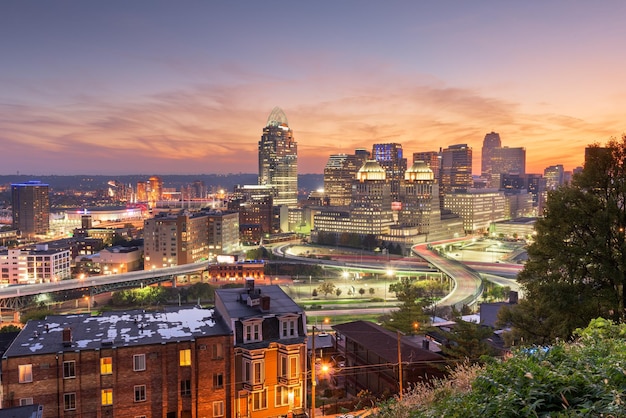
{"x": 324, "y": 369}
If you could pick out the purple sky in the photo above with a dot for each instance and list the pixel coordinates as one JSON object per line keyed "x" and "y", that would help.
{"x": 155, "y": 87}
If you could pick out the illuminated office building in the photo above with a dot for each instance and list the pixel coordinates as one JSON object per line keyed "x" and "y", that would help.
{"x": 278, "y": 159}
{"x": 390, "y": 157}
{"x": 456, "y": 170}
{"x": 491, "y": 142}
{"x": 505, "y": 160}
{"x": 555, "y": 176}
{"x": 339, "y": 174}
{"x": 418, "y": 191}
{"x": 478, "y": 208}
{"x": 174, "y": 240}
{"x": 31, "y": 208}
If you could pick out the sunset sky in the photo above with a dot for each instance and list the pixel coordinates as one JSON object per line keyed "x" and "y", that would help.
{"x": 185, "y": 87}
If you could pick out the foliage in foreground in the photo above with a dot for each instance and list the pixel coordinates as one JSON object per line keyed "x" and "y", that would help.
{"x": 576, "y": 270}
{"x": 586, "y": 378}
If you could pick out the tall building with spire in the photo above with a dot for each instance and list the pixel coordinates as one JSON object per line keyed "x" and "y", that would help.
{"x": 278, "y": 159}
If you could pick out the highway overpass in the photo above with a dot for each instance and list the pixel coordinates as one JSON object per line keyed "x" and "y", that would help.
{"x": 17, "y": 296}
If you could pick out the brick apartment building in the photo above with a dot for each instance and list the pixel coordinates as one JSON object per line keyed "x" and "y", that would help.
{"x": 173, "y": 363}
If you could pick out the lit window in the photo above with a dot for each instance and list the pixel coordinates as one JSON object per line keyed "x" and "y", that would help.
{"x": 106, "y": 365}
{"x": 282, "y": 396}
{"x": 139, "y": 362}
{"x": 69, "y": 401}
{"x": 140, "y": 393}
{"x": 185, "y": 357}
{"x": 218, "y": 408}
{"x": 69, "y": 369}
{"x": 26, "y": 373}
{"x": 107, "y": 396}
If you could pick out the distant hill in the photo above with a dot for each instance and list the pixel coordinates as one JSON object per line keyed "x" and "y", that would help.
{"x": 306, "y": 182}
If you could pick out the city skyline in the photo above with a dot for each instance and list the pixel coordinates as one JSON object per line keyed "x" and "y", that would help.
{"x": 155, "y": 87}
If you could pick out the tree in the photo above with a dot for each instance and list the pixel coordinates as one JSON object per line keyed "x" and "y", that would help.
{"x": 338, "y": 292}
{"x": 361, "y": 291}
{"x": 326, "y": 288}
{"x": 10, "y": 328}
{"x": 200, "y": 290}
{"x": 410, "y": 311}
{"x": 576, "y": 269}
{"x": 372, "y": 291}
{"x": 468, "y": 341}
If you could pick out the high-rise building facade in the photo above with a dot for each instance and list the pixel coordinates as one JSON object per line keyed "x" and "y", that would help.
{"x": 390, "y": 157}
{"x": 155, "y": 191}
{"x": 31, "y": 208}
{"x": 255, "y": 206}
{"x": 555, "y": 176}
{"x": 223, "y": 232}
{"x": 505, "y": 160}
{"x": 432, "y": 159}
{"x": 278, "y": 159}
{"x": 418, "y": 193}
{"x": 175, "y": 240}
{"x": 339, "y": 174}
{"x": 456, "y": 170}
{"x": 491, "y": 142}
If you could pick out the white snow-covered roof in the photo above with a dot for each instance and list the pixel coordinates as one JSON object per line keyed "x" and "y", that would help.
{"x": 116, "y": 329}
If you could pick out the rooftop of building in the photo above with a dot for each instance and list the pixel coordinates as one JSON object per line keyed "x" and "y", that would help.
{"x": 384, "y": 342}
{"x": 234, "y": 301}
{"x": 115, "y": 329}
{"x": 519, "y": 221}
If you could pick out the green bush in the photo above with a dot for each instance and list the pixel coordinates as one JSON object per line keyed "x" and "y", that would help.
{"x": 585, "y": 378}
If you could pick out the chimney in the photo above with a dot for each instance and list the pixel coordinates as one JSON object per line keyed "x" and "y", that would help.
{"x": 265, "y": 303}
{"x": 67, "y": 337}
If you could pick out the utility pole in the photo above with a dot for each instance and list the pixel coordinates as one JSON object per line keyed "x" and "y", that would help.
{"x": 313, "y": 382}
{"x": 399, "y": 365}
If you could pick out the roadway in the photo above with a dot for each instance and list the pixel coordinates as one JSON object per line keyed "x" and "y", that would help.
{"x": 10, "y": 295}
{"x": 468, "y": 284}
{"x": 466, "y": 275}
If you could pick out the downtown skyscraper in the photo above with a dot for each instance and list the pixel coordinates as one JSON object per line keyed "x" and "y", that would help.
{"x": 31, "y": 208}
{"x": 278, "y": 159}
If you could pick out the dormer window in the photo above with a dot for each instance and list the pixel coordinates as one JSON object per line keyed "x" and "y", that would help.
{"x": 252, "y": 331}
{"x": 288, "y": 326}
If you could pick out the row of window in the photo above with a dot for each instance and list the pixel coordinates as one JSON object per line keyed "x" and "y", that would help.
{"x": 285, "y": 396}
{"x": 106, "y": 364}
{"x": 69, "y": 400}
{"x": 253, "y": 330}
{"x": 254, "y": 370}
